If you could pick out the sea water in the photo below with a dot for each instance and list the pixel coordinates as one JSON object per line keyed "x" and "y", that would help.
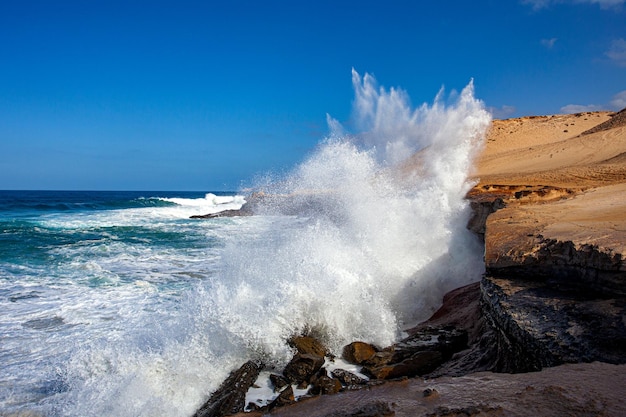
{"x": 119, "y": 304}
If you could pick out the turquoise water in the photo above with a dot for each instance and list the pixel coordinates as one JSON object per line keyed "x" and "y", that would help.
{"x": 82, "y": 269}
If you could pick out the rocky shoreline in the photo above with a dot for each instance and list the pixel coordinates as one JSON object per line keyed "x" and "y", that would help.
{"x": 553, "y": 300}
{"x": 523, "y": 316}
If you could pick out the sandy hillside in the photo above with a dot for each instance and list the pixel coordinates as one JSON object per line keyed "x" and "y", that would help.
{"x": 563, "y": 177}
{"x": 553, "y": 150}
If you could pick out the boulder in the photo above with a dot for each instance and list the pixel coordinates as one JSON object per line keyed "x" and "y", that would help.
{"x": 302, "y": 367}
{"x": 381, "y": 358}
{"x": 231, "y": 395}
{"x": 446, "y": 340}
{"x": 308, "y": 344}
{"x": 419, "y": 364}
{"x": 278, "y": 382}
{"x": 286, "y": 397}
{"x": 358, "y": 352}
{"x": 347, "y": 378}
{"x": 326, "y": 385}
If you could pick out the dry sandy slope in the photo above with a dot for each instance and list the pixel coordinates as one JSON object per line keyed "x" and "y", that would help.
{"x": 550, "y": 150}
{"x": 562, "y": 185}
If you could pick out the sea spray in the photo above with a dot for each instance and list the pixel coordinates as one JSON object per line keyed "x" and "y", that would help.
{"x": 358, "y": 241}
{"x": 378, "y": 246}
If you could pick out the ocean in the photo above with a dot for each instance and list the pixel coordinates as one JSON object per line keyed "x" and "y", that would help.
{"x": 118, "y": 304}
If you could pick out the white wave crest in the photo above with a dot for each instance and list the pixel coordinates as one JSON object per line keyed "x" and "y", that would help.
{"x": 385, "y": 234}
{"x": 379, "y": 238}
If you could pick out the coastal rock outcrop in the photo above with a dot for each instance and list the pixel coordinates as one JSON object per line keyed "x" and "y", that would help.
{"x": 230, "y": 397}
{"x": 540, "y": 326}
{"x": 551, "y": 208}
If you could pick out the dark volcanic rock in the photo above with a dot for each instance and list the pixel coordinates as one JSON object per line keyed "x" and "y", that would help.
{"x": 540, "y": 326}
{"x": 418, "y": 354}
{"x": 326, "y": 385}
{"x": 347, "y": 378}
{"x": 302, "y": 367}
{"x": 231, "y": 395}
{"x": 446, "y": 340}
{"x": 286, "y": 397}
{"x": 278, "y": 381}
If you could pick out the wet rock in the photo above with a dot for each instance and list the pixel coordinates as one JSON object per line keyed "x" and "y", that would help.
{"x": 278, "y": 382}
{"x": 347, "y": 378}
{"x": 326, "y": 385}
{"x": 374, "y": 409}
{"x": 473, "y": 410}
{"x": 381, "y": 358}
{"x": 418, "y": 354}
{"x": 308, "y": 344}
{"x": 446, "y": 340}
{"x": 430, "y": 392}
{"x": 302, "y": 367}
{"x": 419, "y": 364}
{"x": 358, "y": 352}
{"x": 231, "y": 395}
{"x": 286, "y": 397}
{"x": 461, "y": 310}
{"x": 590, "y": 389}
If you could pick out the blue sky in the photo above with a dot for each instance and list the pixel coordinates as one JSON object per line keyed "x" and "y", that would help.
{"x": 206, "y": 95}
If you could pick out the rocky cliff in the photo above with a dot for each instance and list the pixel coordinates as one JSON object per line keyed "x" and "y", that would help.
{"x": 550, "y": 205}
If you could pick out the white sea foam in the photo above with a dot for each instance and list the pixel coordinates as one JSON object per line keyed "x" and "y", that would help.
{"x": 380, "y": 247}
{"x": 375, "y": 246}
{"x": 181, "y": 208}
{"x": 210, "y": 201}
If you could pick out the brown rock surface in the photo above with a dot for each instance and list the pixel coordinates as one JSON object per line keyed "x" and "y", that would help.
{"x": 358, "y": 352}
{"x": 593, "y": 389}
{"x": 556, "y": 254}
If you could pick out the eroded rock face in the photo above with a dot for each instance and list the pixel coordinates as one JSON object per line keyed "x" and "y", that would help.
{"x": 561, "y": 263}
{"x": 480, "y": 212}
{"x": 577, "y": 244}
{"x": 539, "y": 326}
